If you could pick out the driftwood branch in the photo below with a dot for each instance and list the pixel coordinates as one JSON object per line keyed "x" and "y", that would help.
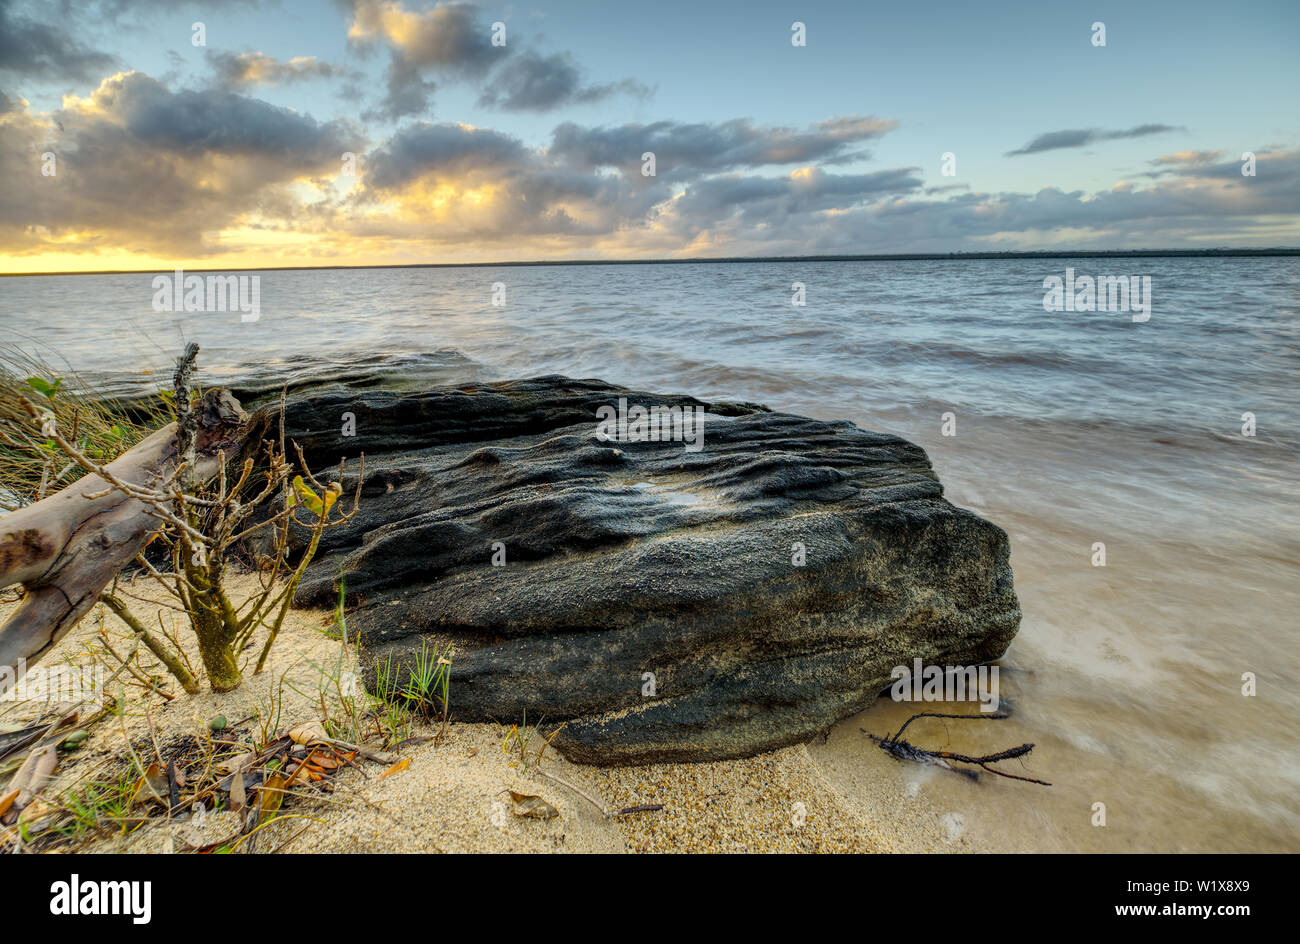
{"x": 66, "y": 548}
{"x": 187, "y": 425}
{"x": 905, "y": 750}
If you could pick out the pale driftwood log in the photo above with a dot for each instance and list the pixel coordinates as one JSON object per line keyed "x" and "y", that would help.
{"x": 66, "y": 548}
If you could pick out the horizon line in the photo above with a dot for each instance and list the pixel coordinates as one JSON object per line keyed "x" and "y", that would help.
{"x": 865, "y": 257}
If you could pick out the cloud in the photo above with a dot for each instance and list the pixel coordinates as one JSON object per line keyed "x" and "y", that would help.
{"x": 113, "y": 11}
{"x": 448, "y": 37}
{"x": 213, "y": 122}
{"x": 533, "y": 82}
{"x": 1274, "y": 171}
{"x": 1180, "y": 163}
{"x": 1187, "y": 157}
{"x": 455, "y": 183}
{"x": 447, "y": 40}
{"x": 806, "y": 190}
{"x": 238, "y": 70}
{"x": 451, "y": 43}
{"x": 1210, "y": 205}
{"x": 685, "y": 150}
{"x": 143, "y": 167}
{"x": 945, "y": 188}
{"x": 198, "y": 173}
{"x": 36, "y": 50}
{"x": 1056, "y": 140}
{"x": 439, "y": 152}
{"x": 733, "y": 207}
{"x": 461, "y": 186}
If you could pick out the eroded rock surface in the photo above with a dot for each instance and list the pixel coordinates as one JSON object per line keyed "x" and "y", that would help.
{"x": 634, "y": 567}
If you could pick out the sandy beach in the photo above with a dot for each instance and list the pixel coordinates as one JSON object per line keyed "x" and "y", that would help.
{"x": 454, "y": 794}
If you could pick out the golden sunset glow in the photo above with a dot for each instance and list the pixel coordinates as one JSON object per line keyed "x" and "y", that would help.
{"x": 389, "y": 132}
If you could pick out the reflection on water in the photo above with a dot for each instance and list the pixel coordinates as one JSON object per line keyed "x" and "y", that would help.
{"x": 1072, "y": 429}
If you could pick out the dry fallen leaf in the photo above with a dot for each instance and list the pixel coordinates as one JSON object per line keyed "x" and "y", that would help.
{"x": 154, "y": 784}
{"x": 237, "y": 797}
{"x": 35, "y": 772}
{"x": 28, "y": 782}
{"x": 230, "y": 764}
{"x": 397, "y": 768}
{"x": 524, "y": 804}
{"x": 307, "y": 732}
{"x": 7, "y": 801}
{"x": 270, "y": 796}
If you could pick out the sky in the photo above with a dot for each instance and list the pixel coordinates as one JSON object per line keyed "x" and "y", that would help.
{"x": 140, "y": 134}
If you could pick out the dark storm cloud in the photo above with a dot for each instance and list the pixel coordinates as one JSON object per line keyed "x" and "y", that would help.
{"x": 1056, "y": 140}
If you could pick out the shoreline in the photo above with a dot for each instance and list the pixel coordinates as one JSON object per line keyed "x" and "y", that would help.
{"x": 1079, "y": 672}
{"x": 978, "y": 255}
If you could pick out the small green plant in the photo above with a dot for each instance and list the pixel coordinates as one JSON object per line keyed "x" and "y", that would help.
{"x": 520, "y": 736}
{"x": 267, "y": 714}
{"x": 392, "y": 716}
{"x": 387, "y": 711}
{"x": 97, "y": 807}
{"x": 428, "y": 680}
{"x": 45, "y": 387}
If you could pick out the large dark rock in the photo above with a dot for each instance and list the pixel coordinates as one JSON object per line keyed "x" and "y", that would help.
{"x": 626, "y": 558}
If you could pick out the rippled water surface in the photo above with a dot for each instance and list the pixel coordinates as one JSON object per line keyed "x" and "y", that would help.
{"x": 1072, "y": 428}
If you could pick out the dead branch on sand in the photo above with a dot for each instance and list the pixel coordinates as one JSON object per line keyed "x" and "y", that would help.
{"x": 904, "y": 750}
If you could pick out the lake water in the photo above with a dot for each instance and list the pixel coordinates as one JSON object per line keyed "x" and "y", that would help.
{"x": 1072, "y": 428}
